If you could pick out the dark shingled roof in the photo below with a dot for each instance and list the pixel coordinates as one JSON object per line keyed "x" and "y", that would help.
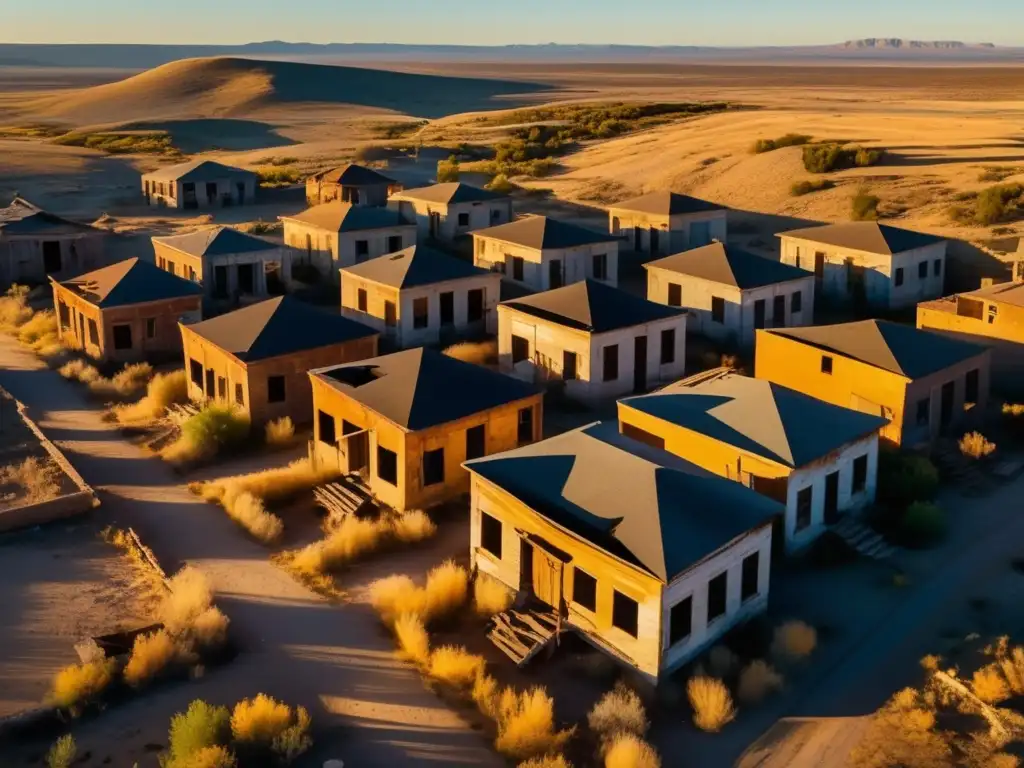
{"x": 666, "y": 204}
{"x": 421, "y": 388}
{"x": 23, "y": 218}
{"x": 867, "y": 236}
{"x": 450, "y": 192}
{"x": 344, "y": 217}
{"x": 894, "y": 347}
{"x": 592, "y": 306}
{"x": 131, "y": 281}
{"x": 759, "y": 417}
{"x": 197, "y": 170}
{"x": 541, "y": 232}
{"x": 642, "y": 505}
{"x": 412, "y": 266}
{"x": 278, "y": 326}
{"x": 729, "y": 266}
{"x": 216, "y": 241}
{"x": 353, "y": 175}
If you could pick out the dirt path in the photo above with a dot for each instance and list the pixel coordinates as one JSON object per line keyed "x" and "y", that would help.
{"x": 334, "y": 660}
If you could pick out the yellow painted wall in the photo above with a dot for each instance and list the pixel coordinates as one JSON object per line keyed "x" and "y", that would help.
{"x": 376, "y": 296}
{"x": 1007, "y": 322}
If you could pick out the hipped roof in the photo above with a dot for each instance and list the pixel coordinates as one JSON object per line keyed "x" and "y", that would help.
{"x": 131, "y": 281}
{"x": 345, "y": 217}
{"x": 730, "y": 266}
{"x": 867, "y": 236}
{"x": 216, "y": 241}
{"x": 543, "y": 232}
{"x": 414, "y": 266}
{"x": 197, "y": 170}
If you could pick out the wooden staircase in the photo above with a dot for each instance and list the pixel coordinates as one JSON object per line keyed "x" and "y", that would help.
{"x": 343, "y": 498}
{"x": 522, "y": 632}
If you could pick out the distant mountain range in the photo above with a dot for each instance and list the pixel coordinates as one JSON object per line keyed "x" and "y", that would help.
{"x": 147, "y": 56}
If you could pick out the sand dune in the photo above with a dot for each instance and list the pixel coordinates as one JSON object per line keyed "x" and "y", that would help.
{"x": 227, "y": 87}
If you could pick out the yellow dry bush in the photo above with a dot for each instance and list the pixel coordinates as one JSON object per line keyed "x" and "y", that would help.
{"x": 629, "y": 751}
{"x": 163, "y": 390}
{"x": 79, "y": 684}
{"x": 351, "y": 539}
{"x": 712, "y": 705}
{"x": 446, "y": 589}
{"x": 1011, "y": 664}
{"x": 188, "y": 611}
{"x": 248, "y": 511}
{"x": 212, "y": 757}
{"x": 74, "y": 369}
{"x": 794, "y": 640}
{"x": 477, "y": 352}
{"x": 210, "y": 628}
{"x": 547, "y": 761}
{"x": 132, "y": 378}
{"x": 151, "y": 656}
{"x": 260, "y": 720}
{"x": 14, "y": 309}
{"x": 902, "y": 733}
{"x": 485, "y": 694}
{"x": 280, "y": 432}
{"x": 975, "y": 445}
{"x": 394, "y": 596}
{"x": 455, "y": 665}
{"x": 619, "y": 712}
{"x": 272, "y": 485}
{"x": 412, "y": 526}
{"x": 490, "y": 596}
{"x": 413, "y": 641}
{"x": 757, "y": 680}
{"x": 526, "y": 726}
{"x": 39, "y": 479}
{"x": 989, "y": 685}
{"x": 41, "y": 325}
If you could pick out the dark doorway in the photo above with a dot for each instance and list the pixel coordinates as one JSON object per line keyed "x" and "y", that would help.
{"x": 210, "y": 382}
{"x": 832, "y": 498}
{"x": 475, "y": 310}
{"x": 819, "y": 266}
{"x": 525, "y": 566}
{"x": 52, "y": 261}
{"x": 240, "y": 186}
{"x": 220, "y": 282}
{"x": 394, "y": 243}
{"x": 188, "y": 195}
{"x": 211, "y": 192}
{"x": 354, "y": 197}
{"x": 435, "y": 223}
{"x": 555, "y": 274}
{"x": 640, "y": 364}
{"x": 946, "y": 408}
{"x": 638, "y": 239}
{"x": 759, "y": 313}
{"x": 358, "y": 446}
{"x": 779, "y": 312}
{"x": 447, "y": 308}
{"x": 654, "y": 240}
{"x": 246, "y": 279}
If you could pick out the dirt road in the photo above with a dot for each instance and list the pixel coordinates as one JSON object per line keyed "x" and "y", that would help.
{"x": 333, "y": 659}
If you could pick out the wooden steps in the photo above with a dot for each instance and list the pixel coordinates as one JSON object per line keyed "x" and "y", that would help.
{"x": 342, "y": 498}
{"x": 521, "y": 632}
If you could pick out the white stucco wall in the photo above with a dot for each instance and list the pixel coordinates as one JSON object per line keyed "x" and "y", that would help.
{"x": 675, "y": 232}
{"x": 576, "y": 263}
{"x": 879, "y": 271}
{"x": 694, "y": 584}
{"x": 481, "y": 215}
{"x": 171, "y": 193}
{"x": 329, "y": 251}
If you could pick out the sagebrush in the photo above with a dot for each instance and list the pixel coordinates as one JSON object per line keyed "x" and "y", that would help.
{"x": 711, "y": 702}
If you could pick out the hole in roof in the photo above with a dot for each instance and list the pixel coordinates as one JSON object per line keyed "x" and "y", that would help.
{"x": 355, "y": 376}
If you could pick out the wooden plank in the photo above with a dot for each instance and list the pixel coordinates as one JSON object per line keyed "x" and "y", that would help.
{"x": 511, "y": 641}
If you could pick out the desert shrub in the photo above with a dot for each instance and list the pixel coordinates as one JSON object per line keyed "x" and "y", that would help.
{"x": 354, "y": 537}
{"x": 619, "y": 712}
{"x": 213, "y": 429}
{"x": 455, "y": 665}
{"x": 150, "y": 657}
{"x": 79, "y": 370}
{"x": 41, "y": 325}
{"x": 825, "y": 158}
{"x": 868, "y": 157}
{"x": 998, "y": 203}
{"x": 789, "y": 140}
{"x": 277, "y": 176}
{"x": 294, "y": 740}
{"x": 476, "y": 352}
{"x": 280, "y": 431}
{"x": 14, "y": 309}
{"x": 922, "y": 524}
{"x": 864, "y": 206}
{"x": 501, "y": 185}
{"x": 201, "y": 727}
{"x": 794, "y": 640}
{"x": 248, "y": 511}
{"x": 446, "y": 590}
{"x": 212, "y": 757}
{"x": 490, "y": 596}
{"x": 800, "y": 188}
{"x": 448, "y": 170}
{"x": 546, "y": 761}
{"x": 1009, "y": 662}
{"x": 210, "y": 628}
{"x": 413, "y": 641}
{"x": 712, "y": 705}
{"x": 722, "y": 662}
{"x": 79, "y": 684}
{"x": 132, "y": 378}
{"x": 38, "y": 478}
{"x": 395, "y": 596}
{"x": 265, "y": 228}
{"x": 188, "y": 611}
{"x": 270, "y": 485}
{"x": 266, "y": 725}
{"x": 757, "y": 680}
{"x": 975, "y": 445}
{"x": 630, "y": 751}
{"x": 412, "y": 526}
{"x": 62, "y": 753}
{"x": 997, "y": 173}
{"x": 903, "y": 733}
{"x": 526, "y": 725}
{"x": 162, "y": 391}
{"x": 989, "y": 685}
{"x": 906, "y": 478}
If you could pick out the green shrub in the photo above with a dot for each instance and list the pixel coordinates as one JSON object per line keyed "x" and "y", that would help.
{"x": 275, "y": 176}
{"x": 868, "y": 157}
{"x": 200, "y": 727}
{"x": 998, "y": 203}
{"x": 207, "y": 433}
{"x": 63, "y": 752}
{"x": 906, "y": 478}
{"x": 864, "y": 206}
{"x": 807, "y": 186}
{"x": 120, "y": 143}
{"x": 448, "y": 170}
{"x": 501, "y": 184}
{"x": 923, "y": 524}
{"x": 825, "y": 158}
{"x": 789, "y": 140}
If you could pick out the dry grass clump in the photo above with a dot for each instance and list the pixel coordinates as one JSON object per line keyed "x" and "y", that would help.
{"x": 151, "y": 656}
{"x": 526, "y": 724}
{"x": 353, "y": 538}
{"x": 455, "y": 666}
{"x": 193, "y": 733}
{"x": 188, "y": 611}
{"x": 975, "y": 445}
{"x": 79, "y": 370}
{"x": 476, "y": 352}
{"x": 413, "y": 526}
{"x": 413, "y": 641}
{"x": 619, "y": 712}
{"x": 547, "y": 761}
{"x": 490, "y": 596}
{"x": 902, "y": 733}
{"x": 248, "y": 511}
{"x": 62, "y": 753}
{"x": 79, "y": 684}
{"x": 446, "y": 590}
{"x": 712, "y": 704}
{"x": 395, "y": 596}
{"x": 271, "y": 485}
{"x": 38, "y": 478}
{"x": 14, "y": 309}
{"x": 270, "y": 725}
{"x": 629, "y": 751}
{"x": 162, "y": 391}
{"x": 213, "y": 429}
{"x": 989, "y": 685}
{"x": 125, "y": 383}
{"x": 757, "y": 680}
{"x": 280, "y": 432}
{"x": 1004, "y": 677}
{"x": 794, "y": 640}
{"x": 213, "y": 757}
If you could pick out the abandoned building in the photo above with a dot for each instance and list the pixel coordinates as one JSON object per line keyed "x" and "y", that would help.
{"x": 730, "y": 293}
{"x": 421, "y": 296}
{"x": 353, "y": 184}
{"x": 257, "y": 357}
{"x": 541, "y": 253}
{"x": 199, "y": 184}
{"x": 126, "y": 312}
{"x": 450, "y": 210}
{"x": 868, "y": 264}
{"x": 922, "y": 382}
{"x": 666, "y": 222}
{"x": 233, "y": 267}
{"x": 336, "y": 235}
{"x": 646, "y": 556}
{"x": 407, "y": 421}
{"x": 36, "y": 244}
{"x": 818, "y": 459}
{"x": 597, "y": 341}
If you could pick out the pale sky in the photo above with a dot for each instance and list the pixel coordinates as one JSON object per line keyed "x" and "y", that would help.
{"x": 491, "y": 22}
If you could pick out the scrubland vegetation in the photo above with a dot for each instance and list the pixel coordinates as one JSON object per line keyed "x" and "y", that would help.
{"x": 280, "y": 432}
{"x": 121, "y": 142}
{"x": 277, "y": 176}
{"x": 448, "y": 170}
{"x": 490, "y": 596}
{"x": 998, "y": 173}
{"x": 825, "y": 158}
{"x": 38, "y": 479}
{"x": 38, "y": 330}
{"x": 907, "y": 483}
{"x": 994, "y": 205}
{"x": 808, "y": 186}
{"x": 789, "y": 140}
{"x": 162, "y": 391}
{"x": 711, "y": 702}
{"x": 63, "y": 752}
{"x": 127, "y": 382}
{"x": 476, "y": 352}
{"x": 975, "y": 445}
{"x": 214, "y": 429}
{"x": 864, "y": 206}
